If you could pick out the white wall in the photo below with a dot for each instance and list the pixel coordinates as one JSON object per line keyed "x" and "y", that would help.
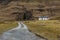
{"x": 40, "y": 18}
{"x": 43, "y": 18}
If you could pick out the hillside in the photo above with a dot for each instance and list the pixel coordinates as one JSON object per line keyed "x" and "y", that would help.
{"x": 50, "y": 8}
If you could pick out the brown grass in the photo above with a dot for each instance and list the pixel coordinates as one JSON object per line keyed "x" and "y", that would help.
{"x": 49, "y": 29}
{"x": 7, "y": 26}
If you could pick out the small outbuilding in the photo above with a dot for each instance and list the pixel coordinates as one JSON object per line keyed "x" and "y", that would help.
{"x": 43, "y": 18}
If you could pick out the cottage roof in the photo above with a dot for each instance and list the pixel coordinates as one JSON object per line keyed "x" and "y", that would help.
{"x": 43, "y": 16}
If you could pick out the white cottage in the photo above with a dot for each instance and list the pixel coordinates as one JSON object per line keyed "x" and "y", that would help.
{"x": 43, "y": 18}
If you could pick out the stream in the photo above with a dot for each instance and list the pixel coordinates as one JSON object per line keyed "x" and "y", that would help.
{"x": 20, "y": 33}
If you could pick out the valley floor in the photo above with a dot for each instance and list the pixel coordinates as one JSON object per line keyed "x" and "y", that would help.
{"x": 49, "y": 29}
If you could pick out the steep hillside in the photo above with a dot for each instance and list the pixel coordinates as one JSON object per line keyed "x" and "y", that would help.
{"x": 39, "y": 7}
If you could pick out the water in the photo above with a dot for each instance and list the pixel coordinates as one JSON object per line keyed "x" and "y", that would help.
{"x": 20, "y": 33}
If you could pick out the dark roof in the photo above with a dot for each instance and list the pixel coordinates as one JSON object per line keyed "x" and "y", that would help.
{"x": 43, "y": 16}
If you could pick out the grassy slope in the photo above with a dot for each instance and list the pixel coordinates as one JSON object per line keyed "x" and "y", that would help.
{"x": 6, "y": 26}
{"x": 48, "y": 29}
